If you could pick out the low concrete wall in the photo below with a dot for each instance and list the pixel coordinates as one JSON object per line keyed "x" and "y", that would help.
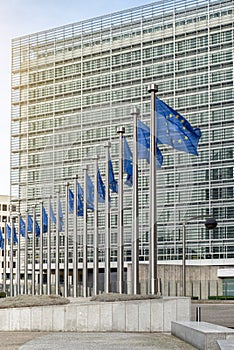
{"x": 154, "y": 315}
{"x": 202, "y": 335}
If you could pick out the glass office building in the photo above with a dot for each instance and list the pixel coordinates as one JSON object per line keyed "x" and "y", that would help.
{"x": 72, "y": 86}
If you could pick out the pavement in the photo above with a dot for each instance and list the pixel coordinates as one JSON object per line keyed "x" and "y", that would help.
{"x": 90, "y": 341}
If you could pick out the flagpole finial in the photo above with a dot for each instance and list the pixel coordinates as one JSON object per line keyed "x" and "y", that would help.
{"x": 152, "y": 87}
{"x": 120, "y": 130}
{"x": 107, "y": 144}
{"x": 135, "y": 110}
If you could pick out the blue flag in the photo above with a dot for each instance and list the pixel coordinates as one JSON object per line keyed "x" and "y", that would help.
{"x": 101, "y": 189}
{"x": 127, "y": 164}
{"x": 90, "y": 193}
{"x": 143, "y": 133}
{"x": 38, "y": 231}
{"x": 44, "y": 220}
{"x": 22, "y": 227}
{"x": 52, "y": 216}
{"x": 8, "y": 232}
{"x": 1, "y": 239}
{"x": 60, "y": 217}
{"x": 112, "y": 182}
{"x": 80, "y": 200}
{"x": 15, "y": 238}
{"x": 30, "y": 226}
{"x": 30, "y": 223}
{"x": 70, "y": 201}
{"x": 175, "y": 130}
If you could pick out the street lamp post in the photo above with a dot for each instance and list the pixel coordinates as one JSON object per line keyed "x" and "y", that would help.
{"x": 210, "y": 224}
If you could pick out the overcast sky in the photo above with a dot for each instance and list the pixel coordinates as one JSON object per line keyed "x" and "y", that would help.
{"x": 21, "y": 17}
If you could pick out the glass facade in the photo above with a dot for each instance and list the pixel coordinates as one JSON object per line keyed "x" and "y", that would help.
{"x": 73, "y": 86}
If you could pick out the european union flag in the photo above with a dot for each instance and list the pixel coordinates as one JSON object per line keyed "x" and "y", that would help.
{"x": 8, "y": 232}
{"x": 175, "y": 130}
{"x": 30, "y": 226}
{"x": 1, "y": 239}
{"x": 90, "y": 193}
{"x": 127, "y": 164}
{"x": 60, "y": 217}
{"x": 80, "y": 200}
{"x": 15, "y": 238}
{"x": 44, "y": 220}
{"x": 101, "y": 189}
{"x": 22, "y": 227}
{"x": 112, "y": 182}
{"x": 70, "y": 201}
{"x": 143, "y": 133}
{"x": 52, "y": 216}
{"x": 30, "y": 223}
{"x": 38, "y": 231}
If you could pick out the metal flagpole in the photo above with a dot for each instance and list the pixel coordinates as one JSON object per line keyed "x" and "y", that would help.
{"x": 66, "y": 246}
{"x": 75, "y": 266}
{"x": 18, "y": 257}
{"x": 33, "y": 249}
{"x": 26, "y": 256}
{"x": 57, "y": 274}
{"x": 120, "y": 263}
{"x": 153, "y": 277}
{"x": 49, "y": 249}
{"x": 41, "y": 250}
{"x": 95, "y": 237}
{"x": 5, "y": 252}
{"x": 85, "y": 235}
{"x": 135, "y": 226}
{"x": 11, "y": 256}
{"x": 107, "y": 222}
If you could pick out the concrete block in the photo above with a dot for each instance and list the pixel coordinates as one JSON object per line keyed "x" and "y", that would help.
{"x": 156, "y": 315}
{"x": 169, "y": 313}
{"x": 58, "y": 318}
{"x": 47, "y": 317}
{"x": 144, "y": 316}
{"x": 183, "y": 310}
{"x": 93, "y": 318}
{"x": 119, "y": 317}
{"x": 36, "y": 318}
{"x": 132, "y": 316}
{"x": 82, "y": 318}
{"x": 106, "y": 317}
{"x": 70, "y": 318}
{"x": 226, "y": 344}
{"x": 25, "y": 319}
{"x": 15, "y": 318}
{"x": 202, "y": 335}
{"x": 5, "y": 320}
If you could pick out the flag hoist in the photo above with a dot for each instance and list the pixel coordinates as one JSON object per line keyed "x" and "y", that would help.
{"x": 85, "y": 267}
{"x": 135, "y": 226}
{"x": 66, "y": 244}
{"x": 75, "y": 265}
{"x": 107, "y": 222}
{"x": 18, "y": 254}
{"x": 57, "y": 270}
{"x": 95, "y": 237}
{"x": 33, "y": 248}
{"x": 26, "y": 255}
{"x": 120, "y": 256}
{"x": 153, "y": 275}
